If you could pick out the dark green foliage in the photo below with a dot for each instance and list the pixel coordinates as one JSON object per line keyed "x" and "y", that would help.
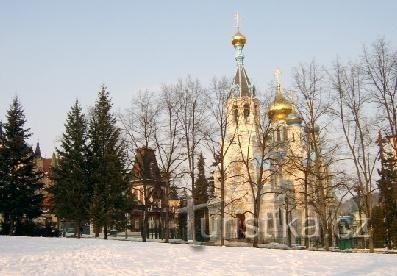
{"x": 201, "y": 185}
{"x": 107, "y": 161}
{"x": 182, "y": 221}
{"x": 387, "y": 185}
{"x": 20, "y": 200}
{"x": 71, "y": 187}
{"x": 378, "y": 222}
{"x": 200, "y": 197}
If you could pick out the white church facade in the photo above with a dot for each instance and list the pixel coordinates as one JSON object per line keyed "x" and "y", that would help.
{"x": 281, "y": 200}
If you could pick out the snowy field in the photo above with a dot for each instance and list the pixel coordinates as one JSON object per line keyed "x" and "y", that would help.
{"x": 62, "y": 256}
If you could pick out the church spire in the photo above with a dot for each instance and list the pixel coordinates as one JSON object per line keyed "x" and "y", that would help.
{"x": 241, "y": 81}
{"x": 37, "y": 151}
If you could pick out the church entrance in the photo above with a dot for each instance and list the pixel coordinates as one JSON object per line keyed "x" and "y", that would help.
{"x": 240, "y": 226}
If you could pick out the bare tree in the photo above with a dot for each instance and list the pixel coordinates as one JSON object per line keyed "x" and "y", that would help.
{"x": 314, "y": 105}
{"x": 261, "y": 158}
{"x": 348, "y": 82}
{"x": 168, "y": 142}
{"x": 219, "y": 140}
{"x": 139, "y": 125}
{"x": 139, "y": 122}
{"x": 190, "y": 95}
{"x": 380, "y": 65}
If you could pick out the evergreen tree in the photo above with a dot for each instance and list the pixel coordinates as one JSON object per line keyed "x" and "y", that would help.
{"x": 201, "y": 186}
{"x": 109, "y": 177}
{"x": 20, "y": 199}
{"x": 200, "y": 196}
{"x": 71, "y": 188}
{"x": 387, "y": 185}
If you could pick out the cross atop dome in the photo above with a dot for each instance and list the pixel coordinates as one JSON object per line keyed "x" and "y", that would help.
{"x": 238, "y": 38}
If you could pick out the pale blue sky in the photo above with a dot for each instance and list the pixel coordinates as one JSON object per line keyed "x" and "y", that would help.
{"x": 54, "y": 51}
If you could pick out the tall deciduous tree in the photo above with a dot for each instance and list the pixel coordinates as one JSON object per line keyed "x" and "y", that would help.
{"x": 255, "y": 162}
{"x": 219, "y": 141}
{"x": 20, "y": 199}
{"x": 380, "y": 68}
{"x": 353, "y": 101}
{"x": 168, "y": 144}
{"x": 109, "y": 176}
{"x": 315, "y": 165}
{"x": 71, "y": 189}
{"x": 190, "y": 94}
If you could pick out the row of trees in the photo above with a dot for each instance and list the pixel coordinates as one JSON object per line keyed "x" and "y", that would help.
{"x": 91, "y": 176}
{"x": 356, "y": 99}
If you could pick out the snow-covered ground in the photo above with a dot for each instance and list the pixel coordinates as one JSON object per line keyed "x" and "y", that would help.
{"x": 64, "y": 256}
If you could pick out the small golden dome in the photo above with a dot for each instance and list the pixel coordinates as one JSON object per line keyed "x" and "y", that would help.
{"x": 279, "y": 108}
{"x": 239, "y": 39}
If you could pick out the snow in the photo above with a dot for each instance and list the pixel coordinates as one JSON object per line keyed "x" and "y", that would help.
{"x": 68, "y": 256}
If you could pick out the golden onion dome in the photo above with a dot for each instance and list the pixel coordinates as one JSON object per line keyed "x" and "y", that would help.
{"x": 239, "y": 39}
{"x": 279, "y": 108}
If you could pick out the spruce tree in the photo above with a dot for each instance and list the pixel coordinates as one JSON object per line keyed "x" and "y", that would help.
{"x": 109, "y": 176}
{"x": 200, "y": 197}
{"x": 387, "y": 185}
{"x": 71, "y": 188}
{"x": 20, "y": 183}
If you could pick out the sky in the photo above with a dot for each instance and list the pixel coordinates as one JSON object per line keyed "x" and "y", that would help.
{"x": 52, "y": 52}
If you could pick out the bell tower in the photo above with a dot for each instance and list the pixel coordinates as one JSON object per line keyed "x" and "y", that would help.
{"x": 242, "y": 135}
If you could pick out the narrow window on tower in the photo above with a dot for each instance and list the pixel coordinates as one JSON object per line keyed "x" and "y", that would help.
{"x": 246, "y": 111}
{"x": 235, "y": 112}
{"x": 278, "y": 135}
{"x": 285, "y": 134}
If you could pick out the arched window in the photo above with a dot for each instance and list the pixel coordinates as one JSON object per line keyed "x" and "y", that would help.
{"x": 278, "y": 135}
{"x": 285, "y": 134}
{"x": 246, "y": 110}
{"x": 235, "y": 113}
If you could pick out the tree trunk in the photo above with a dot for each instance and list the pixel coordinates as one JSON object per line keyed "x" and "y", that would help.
{"x": 289, "y": 238}
{"x": 105, "y": 231}
{"x": 370, "y": 227}
{"x": 306, "y": 234}
{"x": 167, "y": 224}
{"x": 330, "y": 235}
{"x": 96, "y": 229}
{"x": 371, "y": 239}
{"x": 144, "y": 226}
{"x": 256, "y": 221}
{"x": 12, "y": 227}
{"x": 325, "y": 237}
{"x": 78, "y": 226}
{"x": 222, "y": 205}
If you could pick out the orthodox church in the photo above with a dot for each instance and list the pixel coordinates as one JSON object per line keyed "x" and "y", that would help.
{"x": 281, "y": 202}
